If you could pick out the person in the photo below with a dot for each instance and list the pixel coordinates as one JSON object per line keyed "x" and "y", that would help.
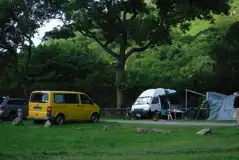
{"x": 236, "y": 107}
{"x": 19, "y": 114}
{"x": 168, "y": 104}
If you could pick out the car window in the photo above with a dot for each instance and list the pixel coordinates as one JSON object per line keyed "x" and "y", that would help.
{"x": 39, "y": 97}
{"x": 16, "y": 102}
{"x": 66, "y": 98}
{"x": 85, "y": 99}
{"x": 155, "y": 100}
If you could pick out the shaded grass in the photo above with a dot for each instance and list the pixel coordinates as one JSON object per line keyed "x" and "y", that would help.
{"x": 90, "y": 141}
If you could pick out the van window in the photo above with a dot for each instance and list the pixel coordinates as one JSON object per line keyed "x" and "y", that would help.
{"x": 155, "y": 100}
{"x": 85, "y": 99}
{"x": 39, "y": 97}
{"x": 66, "y": 98}
{"x": 59, "y": 98}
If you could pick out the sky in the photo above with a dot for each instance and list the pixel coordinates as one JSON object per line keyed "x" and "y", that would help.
{"x": 47, "y": 27}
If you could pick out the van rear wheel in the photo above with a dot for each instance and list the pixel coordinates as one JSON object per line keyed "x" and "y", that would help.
{"x": 60, "y": 119}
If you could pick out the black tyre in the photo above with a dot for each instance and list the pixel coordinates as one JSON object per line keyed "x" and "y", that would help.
{"x": 12, "y": 116}
{"x": 128, "y": 116}
{"x": 95, "y": 118}
{"x": 157, "y": 114}
{"x": 60, "y": 119}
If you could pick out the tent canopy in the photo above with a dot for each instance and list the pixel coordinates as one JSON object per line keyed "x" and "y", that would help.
{"x": 221, "y": 106}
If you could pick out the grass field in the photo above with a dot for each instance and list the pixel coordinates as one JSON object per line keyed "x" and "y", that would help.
{"x": 90, "y": 141}
{"x": 178, "y": 120}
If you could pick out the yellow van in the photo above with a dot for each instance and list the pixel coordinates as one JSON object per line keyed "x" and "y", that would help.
{"x": 61, "y": 106}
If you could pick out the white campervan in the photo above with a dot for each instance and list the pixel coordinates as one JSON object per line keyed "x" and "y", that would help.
{"x": 149, "y": 101}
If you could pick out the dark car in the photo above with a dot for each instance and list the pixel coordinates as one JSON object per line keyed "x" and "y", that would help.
{"x": 9, "y": 107}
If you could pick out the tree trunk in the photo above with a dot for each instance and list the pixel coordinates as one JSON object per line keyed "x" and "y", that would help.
{"x": 26, "y": 68}
{"x": 119, "y": 80}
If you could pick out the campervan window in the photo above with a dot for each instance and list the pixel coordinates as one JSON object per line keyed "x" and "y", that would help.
{"x": 143, "y": 100}
{"x": 155, "y": 100}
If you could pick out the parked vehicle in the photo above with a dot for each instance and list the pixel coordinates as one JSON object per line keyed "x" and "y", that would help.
{"x": 150, "y": 102}
{"x": 62, "y": 106}
{"x": 9, "y": 107}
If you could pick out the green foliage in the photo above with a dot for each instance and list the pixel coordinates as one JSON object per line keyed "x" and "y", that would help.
{"x": 197, "y": 58}
{"x": 67, "y": 65}
{"x": 189, "y": 62}
{"x": 19, "y": 20}
{"x": 117, "y": 24}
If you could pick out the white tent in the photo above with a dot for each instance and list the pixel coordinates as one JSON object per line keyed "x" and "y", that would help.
{"x": 221, "y": 106}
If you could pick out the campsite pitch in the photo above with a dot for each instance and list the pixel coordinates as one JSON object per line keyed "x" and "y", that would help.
{"x": 115, "y": 141}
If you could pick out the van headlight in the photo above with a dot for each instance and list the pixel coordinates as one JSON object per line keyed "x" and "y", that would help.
{"x": 146, "y": 109}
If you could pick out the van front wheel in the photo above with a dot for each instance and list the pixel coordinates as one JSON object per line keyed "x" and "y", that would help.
{"x": 94, "y": 118}
{"x": 60, "y": 119}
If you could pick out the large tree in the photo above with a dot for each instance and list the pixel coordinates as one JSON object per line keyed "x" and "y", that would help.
{"x": 125, "y": 27}
{"x": 19, "y": 21}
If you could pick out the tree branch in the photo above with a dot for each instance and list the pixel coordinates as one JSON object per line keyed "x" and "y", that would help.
{"x": 62, "y": 20}
{"x": 103, "y": 45}
{"x": 5, "y": 45}
{"x": 138, "y": 49}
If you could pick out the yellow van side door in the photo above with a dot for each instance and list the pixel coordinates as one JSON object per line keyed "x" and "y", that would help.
{"x": 88, "y": 106}
{"x": 68, "y": 104}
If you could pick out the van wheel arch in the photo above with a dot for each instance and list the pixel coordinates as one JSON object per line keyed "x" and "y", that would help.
{"x": 93, "y": 118}
{"x": 60, "y": 118}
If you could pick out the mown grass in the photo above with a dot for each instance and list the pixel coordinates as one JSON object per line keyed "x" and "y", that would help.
{"x": 177, "y": 120}
{"x": 90, "y": 141}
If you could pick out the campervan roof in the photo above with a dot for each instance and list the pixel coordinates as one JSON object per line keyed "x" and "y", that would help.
{"x": 157, "y": 92}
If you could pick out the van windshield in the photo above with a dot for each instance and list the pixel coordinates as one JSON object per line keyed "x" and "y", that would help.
{"x": 143, "y": 100}
{"x": 39, "y": 97}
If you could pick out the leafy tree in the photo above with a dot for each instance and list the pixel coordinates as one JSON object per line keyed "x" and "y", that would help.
{"x": 135, "y": 25}
{"x": 70, "y": 65}
{"x": 226, "y": 58}
{"x": 186, "y": 63}
{"x": 19, "y": 21}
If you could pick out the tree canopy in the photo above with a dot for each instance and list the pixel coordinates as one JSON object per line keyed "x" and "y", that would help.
{"x": 177, "y": 47}
{"x": 123, "y": 28}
